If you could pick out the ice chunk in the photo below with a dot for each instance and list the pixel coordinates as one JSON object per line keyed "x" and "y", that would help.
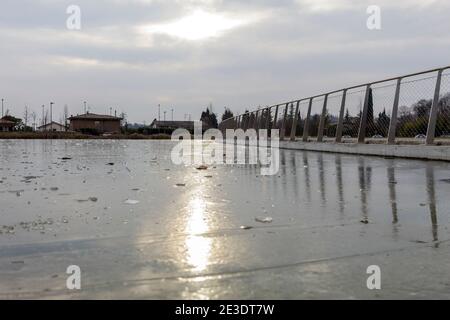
{"x": 264, "y": 220}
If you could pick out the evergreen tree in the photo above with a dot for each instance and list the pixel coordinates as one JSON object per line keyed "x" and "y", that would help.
{"x": 347, "y": 119}
{"x": 227, "y": 114}
{"x": 383, "y": 123}
{"x": 209, "y": 119}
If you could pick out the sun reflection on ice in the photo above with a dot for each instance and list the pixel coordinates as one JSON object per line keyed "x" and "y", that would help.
{"x": 198, "y": 246}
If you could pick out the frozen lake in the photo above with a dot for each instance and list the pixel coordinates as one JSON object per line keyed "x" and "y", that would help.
{"x": 140, "y": 227}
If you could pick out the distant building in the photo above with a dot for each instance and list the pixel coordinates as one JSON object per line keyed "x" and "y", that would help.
{"x": 6, "y": 125}
{"x": 54, "y": 127}
{"x": 173, "y": 125}
{"x": 95, "y": 122}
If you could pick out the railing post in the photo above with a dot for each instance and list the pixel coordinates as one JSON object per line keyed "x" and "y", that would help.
{"x": 275, "y": 120}
{"x": 269, "y": 114}
{"x": 363, "y": 120}
{"x": 246, "y": 121}
{"x": 258, "y": 119}
{"x": 294, "y": 122}
{"x": 283, "y": 124}
{"x": 308, "y": 117}
{"x": 434, "y": 111}
{"x": 394, "y": 115}
{"x": 322, "y": 120}
{"x": 340, "y": 125}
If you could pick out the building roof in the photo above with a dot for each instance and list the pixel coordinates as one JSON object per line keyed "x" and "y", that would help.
{"x": 93, "y": 116}
{"x": 173, "y": 124}
{"x": 52, "y": 123}
{"x": 4, "y": 122}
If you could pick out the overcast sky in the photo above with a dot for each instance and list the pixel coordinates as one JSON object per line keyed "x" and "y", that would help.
{"x": 132, "y": 55}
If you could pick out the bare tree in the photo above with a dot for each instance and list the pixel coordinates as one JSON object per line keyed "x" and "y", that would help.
{"x": 34, "y": 116}
{"x": 45, "y": 117}
{"x": 404, "y": 111}
{"x": 25, "y": 116}
{"x": 66, "y": 115}
{"x": 123, "y": 115}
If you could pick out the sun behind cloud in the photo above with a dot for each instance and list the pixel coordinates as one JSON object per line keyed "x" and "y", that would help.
{"x": 199, "y": 25}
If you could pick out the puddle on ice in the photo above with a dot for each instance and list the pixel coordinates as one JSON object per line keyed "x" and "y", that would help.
{"x": 131, "y": 202}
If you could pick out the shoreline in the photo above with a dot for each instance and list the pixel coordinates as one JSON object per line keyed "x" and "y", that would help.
{"x": 77, "y": 136}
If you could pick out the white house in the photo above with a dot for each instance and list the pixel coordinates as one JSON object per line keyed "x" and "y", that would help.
{"x": 54, "y": 126}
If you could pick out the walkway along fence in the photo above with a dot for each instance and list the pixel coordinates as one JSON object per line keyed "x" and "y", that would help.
{"x": 414, "y": 108}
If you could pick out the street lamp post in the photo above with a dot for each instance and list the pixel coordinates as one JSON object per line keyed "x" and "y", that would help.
{"x": 84, "y": 107}
{"x": 43, "y": 120}
{"x": 172, "y": 114}
{"x": 159, "y": 112}
{"x": 2, "y": 107}
{"x": 51, "y": 115}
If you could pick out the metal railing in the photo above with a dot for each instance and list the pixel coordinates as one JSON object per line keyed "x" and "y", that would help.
{"x": 413, "y": 108}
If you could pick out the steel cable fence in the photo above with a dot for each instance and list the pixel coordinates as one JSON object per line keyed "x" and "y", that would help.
{"x": 314, "y": 118}
{"x": 352, "y": 115}
{"x": 443, "y": 119}
{"x": 413, "y": 108}
{"x": 332, "y": 112}
{"x": 380, "y": 103}
{"x": 301, "y": 118}
{"x": 416, "y": 98}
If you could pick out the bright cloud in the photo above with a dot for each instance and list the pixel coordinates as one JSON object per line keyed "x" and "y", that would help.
{"x": 333, "y": 5}
{"x": 199, "y": 25}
